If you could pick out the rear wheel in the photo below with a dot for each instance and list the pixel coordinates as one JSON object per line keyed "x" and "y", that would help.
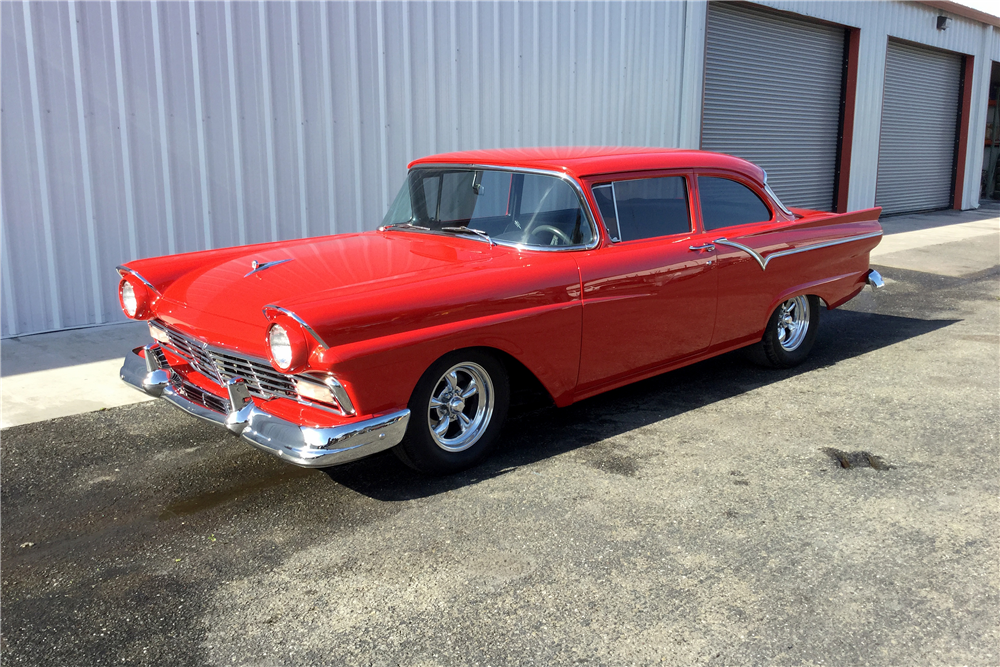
{"x": 456, "y": 412}
{"x": 790, "y": 333}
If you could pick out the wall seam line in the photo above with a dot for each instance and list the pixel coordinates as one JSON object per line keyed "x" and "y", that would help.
{"x": 383, "y": 150}
{"x": 43, "y": 182}
{"x": 331, "y": 169}
{"x": 88, "y": 187}
{"x": 234, "y": 115}
{"x": 352, "y": 39}
{"x": 206, "y": 221}
{"x": 123, "y": 131}
{"x": 265, "y": 67}
{"x": 300, "y": 121}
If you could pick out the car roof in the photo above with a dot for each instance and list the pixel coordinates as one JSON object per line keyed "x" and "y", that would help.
{"x": 582, "y": 161}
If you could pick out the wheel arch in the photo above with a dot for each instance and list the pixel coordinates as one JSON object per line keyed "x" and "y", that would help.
{"x": 526, "y": 387}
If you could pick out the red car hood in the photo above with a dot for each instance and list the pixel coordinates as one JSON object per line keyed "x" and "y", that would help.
{"x": 211, "y": 294}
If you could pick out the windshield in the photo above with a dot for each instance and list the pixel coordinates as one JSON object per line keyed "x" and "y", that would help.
{"x": 508, "y": 206}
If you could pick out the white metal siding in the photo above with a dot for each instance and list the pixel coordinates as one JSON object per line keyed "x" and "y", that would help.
{"x": 920, "y": 108}
{"x": 137, "y": 129}
{"x": 772, "y": 96}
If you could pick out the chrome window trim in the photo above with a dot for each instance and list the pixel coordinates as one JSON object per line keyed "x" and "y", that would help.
{"x": 614, "y": 203}
{"x": 573, "y": 183}
{"x": 774, "y": 197}
{"x": 763, "y": 261}
{"x": 298, "y": 319}
{"x": 618, "y": 218}
{"x": 122, "y": 270}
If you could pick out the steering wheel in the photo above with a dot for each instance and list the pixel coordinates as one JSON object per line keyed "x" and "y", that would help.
{"x": 555, "y": 231}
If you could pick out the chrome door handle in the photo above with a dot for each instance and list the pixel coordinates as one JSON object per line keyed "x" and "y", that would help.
{"x": 698, "y": 248}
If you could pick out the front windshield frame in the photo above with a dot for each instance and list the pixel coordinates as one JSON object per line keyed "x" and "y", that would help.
{"x": 572, "y": 182}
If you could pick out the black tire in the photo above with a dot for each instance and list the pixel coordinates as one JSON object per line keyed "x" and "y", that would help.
{"x": 431, "y": 450}
{"x": 780, "y": 347}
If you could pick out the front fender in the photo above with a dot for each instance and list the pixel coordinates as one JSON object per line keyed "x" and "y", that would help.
{"x": 380, "y": 373}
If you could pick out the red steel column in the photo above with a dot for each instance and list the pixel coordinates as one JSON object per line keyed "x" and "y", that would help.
{"x": 965, "y": 117}
{"x": 847, "y": 137}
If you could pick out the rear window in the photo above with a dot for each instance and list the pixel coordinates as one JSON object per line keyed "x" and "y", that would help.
{"x": 644, "y": 208}
{"x": 726, "y": 203}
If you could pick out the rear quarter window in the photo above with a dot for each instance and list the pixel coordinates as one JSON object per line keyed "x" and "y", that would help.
{"x": 727, "y": 203}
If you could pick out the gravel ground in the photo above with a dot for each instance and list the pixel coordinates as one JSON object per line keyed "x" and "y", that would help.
{"x": 700, "y": 517}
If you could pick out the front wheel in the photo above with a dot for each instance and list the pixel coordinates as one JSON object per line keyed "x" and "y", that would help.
{"x": 456, "y": 412}
{"x": 790, "y": 333}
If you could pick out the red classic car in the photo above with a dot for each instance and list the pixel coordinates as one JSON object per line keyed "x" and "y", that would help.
{"x": 584, "y": 269}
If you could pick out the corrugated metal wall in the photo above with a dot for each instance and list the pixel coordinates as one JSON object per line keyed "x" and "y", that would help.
{"x": 139, "y": 129}
{"x": 775, "y": 102}
{"x": 914, "y": 22}
{"x": 920, "y": 108}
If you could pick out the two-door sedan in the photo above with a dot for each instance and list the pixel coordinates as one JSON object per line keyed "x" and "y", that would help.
{"x": 583, "y": 269}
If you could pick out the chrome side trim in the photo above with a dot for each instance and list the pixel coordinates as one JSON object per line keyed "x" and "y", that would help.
{"x": 301, "y": 322}
{"x": 122, "y": 270}
{"x": 573, "y": 183}
{"x": 763, "y": 261}
{"x": 748, "y": 250}
{"x": 257, "y": 268}
{"x": 305, "y": 446}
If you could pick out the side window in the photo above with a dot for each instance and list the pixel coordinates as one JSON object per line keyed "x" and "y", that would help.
{"x": 725, "y": 203}
{"x": 604, "y": 195}
{"x": 651, "y": 207}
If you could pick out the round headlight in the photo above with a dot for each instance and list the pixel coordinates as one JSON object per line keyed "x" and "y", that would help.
{"x": 281, "y": 346}
{"x": 135, "y": 298}
{"x": 129, "y": 303}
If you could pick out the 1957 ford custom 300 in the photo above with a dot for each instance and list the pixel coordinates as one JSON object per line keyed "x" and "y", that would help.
{"x": 585, "y": 269}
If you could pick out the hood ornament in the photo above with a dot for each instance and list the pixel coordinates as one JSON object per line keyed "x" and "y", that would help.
{"x": 257, "y": 267}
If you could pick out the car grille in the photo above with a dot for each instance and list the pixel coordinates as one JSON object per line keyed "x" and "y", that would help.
{"x": 201, "y": 397}
{"x": 221, "y": 365}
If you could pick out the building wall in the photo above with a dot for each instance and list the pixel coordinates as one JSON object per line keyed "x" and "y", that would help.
{"x": 138, "y": 129}
{"x": 914, "y": 22}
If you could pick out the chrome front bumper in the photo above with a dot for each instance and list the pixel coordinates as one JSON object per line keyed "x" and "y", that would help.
{"x": 306, "y": 446}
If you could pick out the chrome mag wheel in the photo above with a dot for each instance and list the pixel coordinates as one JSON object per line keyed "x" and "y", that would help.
{"x": 793, "y": 323}
{"x": 460, "y": 407}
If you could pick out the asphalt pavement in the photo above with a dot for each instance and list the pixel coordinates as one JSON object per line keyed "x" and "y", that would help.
{"x": 704, "y": 516}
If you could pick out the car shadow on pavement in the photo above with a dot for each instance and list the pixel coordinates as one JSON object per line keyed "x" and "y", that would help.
{"x": 532, "y": 435}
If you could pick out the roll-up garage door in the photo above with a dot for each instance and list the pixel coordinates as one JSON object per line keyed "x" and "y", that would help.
{"x": 772, "y": 96}
{"x": 916, "y": 155}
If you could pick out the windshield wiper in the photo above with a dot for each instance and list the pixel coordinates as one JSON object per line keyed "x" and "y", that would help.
{"x": 478, "y": 232}
{"x": 403, "y": 225}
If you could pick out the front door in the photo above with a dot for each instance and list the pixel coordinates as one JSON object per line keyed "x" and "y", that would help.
{"x": 649, "y": 297}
